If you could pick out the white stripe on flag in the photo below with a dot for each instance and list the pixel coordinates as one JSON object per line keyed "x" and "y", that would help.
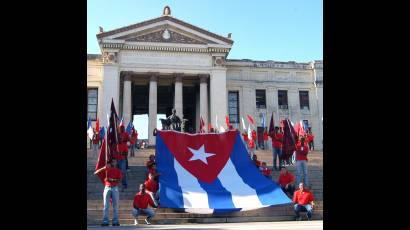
{"x": 194, "y": 195}
{"x": 243, "y": 196}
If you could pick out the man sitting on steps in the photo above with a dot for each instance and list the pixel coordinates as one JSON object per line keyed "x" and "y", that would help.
{"x": 141, "y": 201}
{"x": 286, "y": 180}
{"x": 303, "y": 200}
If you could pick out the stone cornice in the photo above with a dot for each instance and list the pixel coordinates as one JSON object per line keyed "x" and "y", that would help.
{"x": 164, "y": 48}
{"x": 268, "y": 64}
{"x": 162, "y": 18}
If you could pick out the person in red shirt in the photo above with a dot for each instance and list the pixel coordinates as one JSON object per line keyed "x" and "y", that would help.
{"x": 140, "y": 205}
{"x": 255, "y": 161}
{"x": 133, "y": 140}
{"x": 151, "y": 186}
{"x": 254, "y": 139}
{"x": 112, "y": 178}
{"x": 309, "y": 139}
{"x": 286, "y": 180}
{"x": 96, "y": 140}
{"x": 301, "y": 161}
{"x": 277, "y": 139}
{"x": 123, "y": 138}
{"x": 303, "y": 200}
{"x": 265, "y": 170}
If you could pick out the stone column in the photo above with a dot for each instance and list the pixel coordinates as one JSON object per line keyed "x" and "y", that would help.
{"x": 111, "y": 89}
{"x": 218, "y": 96}
{"x": 152, "y": 110}
{"x": 178, "y": 102}
{"x": 203, "y": 98}
{"x": 294, "y": 105}
{"x": 126, "y": 101}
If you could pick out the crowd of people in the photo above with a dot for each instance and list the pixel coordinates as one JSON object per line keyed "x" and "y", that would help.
{"x": 148, "y": 195}
{"x": 303, "y": 198}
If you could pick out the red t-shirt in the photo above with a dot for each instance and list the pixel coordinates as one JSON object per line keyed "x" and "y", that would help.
{"x": 266, "y": 171}
{"x": 302, "y": 198}
{"x": 96, "y": 139}
{"x": 142, "y": 200}
{"x": 245, "y": 137}
{"x": 151, "y": 185}
{"x": 133, "y": 138}
{"x": 122, "y": 145}
{"x": 257, "y": 163}
{"x": 251, "y": 144}
{"x": 265, "y": 136}
{"x": 301, "y": 154}
{"x": 309, "y": 138}
{"x": 277, "y": 140}
{"x": 112, "y": 173}
{"x": 253, "y": 135}
{"x": 286, "y": 179}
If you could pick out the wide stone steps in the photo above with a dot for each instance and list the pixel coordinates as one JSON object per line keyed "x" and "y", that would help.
{"x": 168, "y": 216}
{"x": 174, "y": 216}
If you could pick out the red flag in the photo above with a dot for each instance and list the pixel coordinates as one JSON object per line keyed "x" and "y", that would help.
{"x": 251, "y": 120}
{"x": 289, "y": 140}
{"x": 97, "y": 125}
{"x": 299, "y": 129}
{"x": 201, "y": 125}
{"x": 271, "y": 126}
{"x": 227, "y": 121}
{"x": 102, "y": 161}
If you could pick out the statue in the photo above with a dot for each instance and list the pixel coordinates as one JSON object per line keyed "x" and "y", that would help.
{"x": 175, "y": 121}
{"x": 167, "y": 11}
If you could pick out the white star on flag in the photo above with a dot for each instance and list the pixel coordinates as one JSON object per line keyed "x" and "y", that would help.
{"x": 200, "y": 154}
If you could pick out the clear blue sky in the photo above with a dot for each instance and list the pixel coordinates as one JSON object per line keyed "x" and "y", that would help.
{"x": 280, "y": 30}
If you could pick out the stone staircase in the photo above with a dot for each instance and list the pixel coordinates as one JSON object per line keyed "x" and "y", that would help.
{"x": 173, "y": 216}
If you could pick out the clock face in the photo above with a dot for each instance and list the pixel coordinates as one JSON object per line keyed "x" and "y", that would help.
{"x": 166, "y": 35}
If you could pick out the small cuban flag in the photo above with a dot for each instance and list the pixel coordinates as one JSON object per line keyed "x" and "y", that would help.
{"x": 211, "y": 173}
{"x": 129, "y": 128}
{"x": 90, "y": 130}
{"x": 102, "y": 132}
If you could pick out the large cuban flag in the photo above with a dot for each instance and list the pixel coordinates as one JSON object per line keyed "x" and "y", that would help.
{"x": 207, "y": 173}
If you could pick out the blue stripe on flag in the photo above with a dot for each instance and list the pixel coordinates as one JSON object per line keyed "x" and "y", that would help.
{"x": 170, "y": 192}
{"x": 268, "y": 195}
{"x": 218, "y": 196}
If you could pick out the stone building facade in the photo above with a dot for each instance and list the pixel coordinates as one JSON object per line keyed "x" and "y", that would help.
{"x": 164, "y": 63}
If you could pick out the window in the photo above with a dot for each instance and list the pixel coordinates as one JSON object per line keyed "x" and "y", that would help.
{"x": 92, "y": 103}
{"x": 233, "y": 106}
{"x": 260, "y": 99}
{"x": 304, "y": 100}
{"x": 283, "y": 99}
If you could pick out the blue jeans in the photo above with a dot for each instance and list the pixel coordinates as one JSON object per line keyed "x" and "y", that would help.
{"x": 302, "y": 167}
{"x": 303, "y": 208}
{"x": 110, "y": 192}
{"x": 132, "y": 150}
{"x": 277, "y": 152}
{"x": 122, "y": 164}
{"x": 136, "y": 212}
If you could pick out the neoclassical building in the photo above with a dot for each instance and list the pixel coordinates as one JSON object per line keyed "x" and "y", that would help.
{"x": 164, "y": 63}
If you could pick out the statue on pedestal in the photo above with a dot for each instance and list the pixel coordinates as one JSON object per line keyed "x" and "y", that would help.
{"x": 175, "y": 121}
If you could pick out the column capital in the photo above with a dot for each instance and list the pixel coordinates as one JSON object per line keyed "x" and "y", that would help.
{"x": 203, "y": 78}
{"x": 154, "y": 76}
{"x": 178, "y": 77}
{"x": 127, "y": 77}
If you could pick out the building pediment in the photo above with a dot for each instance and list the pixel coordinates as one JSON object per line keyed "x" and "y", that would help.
{"x": 165, "y": 34}
{"x": 164, "y": 30}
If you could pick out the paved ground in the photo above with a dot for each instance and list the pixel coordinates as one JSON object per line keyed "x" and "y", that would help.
{"x": 284, "y": 225}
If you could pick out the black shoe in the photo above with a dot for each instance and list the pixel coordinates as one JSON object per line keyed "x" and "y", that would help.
{"x": 298, "y": 218}
{"x": 115, "y": 224}
{"x": 104, "y": 224}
